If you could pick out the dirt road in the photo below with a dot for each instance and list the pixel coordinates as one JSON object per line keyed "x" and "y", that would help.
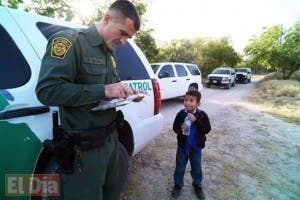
{"x": 248, "y": 154}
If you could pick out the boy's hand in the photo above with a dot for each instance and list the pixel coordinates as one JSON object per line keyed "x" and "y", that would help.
{"x": 191, "y": 117}
{"x": 183, "y": 126}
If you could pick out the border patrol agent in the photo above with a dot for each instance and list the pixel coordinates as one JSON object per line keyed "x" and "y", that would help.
{"x": 77, "y": 71}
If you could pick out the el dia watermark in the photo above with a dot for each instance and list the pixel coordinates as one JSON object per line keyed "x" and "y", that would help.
{"x": 32, "y": 185}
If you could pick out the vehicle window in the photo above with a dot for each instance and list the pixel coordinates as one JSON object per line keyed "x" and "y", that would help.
{"x": 155, "y": 68}
{"x": 49, "y": 29}
{"x": 14, "y": 70}
{"x": 193, "y": 69}
{"x": 180, "y": 70}
{"x": 221, "y": 71}
{"x": 129, "y": 64}
{"x": 167, "y": 69}
{"x": 241, "y": 70}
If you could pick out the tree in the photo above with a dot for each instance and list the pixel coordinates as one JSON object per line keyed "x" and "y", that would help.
{"x": 146, "y": 42}
{"x": 11, "y": 3}
{"x": 52, "y": 8}
{"x": 216, "y": 53}
{"x": 291, "y": 51}
{"x": 179, "y": 50}
{"x": 277, "y": 49}
{"x": 143, "y": 37}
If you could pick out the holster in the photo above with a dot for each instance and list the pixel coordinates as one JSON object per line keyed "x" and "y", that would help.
{"x": 61, "y": 146}
{"x": 64, "y": 152}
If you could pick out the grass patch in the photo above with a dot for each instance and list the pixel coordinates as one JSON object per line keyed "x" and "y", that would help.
{"x": 280, "y": 98}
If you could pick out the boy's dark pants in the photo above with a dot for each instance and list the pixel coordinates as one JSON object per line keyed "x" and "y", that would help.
{"x": 181, "y": 161}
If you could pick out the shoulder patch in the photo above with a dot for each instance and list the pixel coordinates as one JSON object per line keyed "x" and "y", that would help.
{"x": 60, "y": 47}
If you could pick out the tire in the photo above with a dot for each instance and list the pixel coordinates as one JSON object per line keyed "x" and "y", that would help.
{"x": 227, "y": 86}
{"x": 52, "y": 167}
{"x": 123, "y": 166}
{"x": 208, "y": 85}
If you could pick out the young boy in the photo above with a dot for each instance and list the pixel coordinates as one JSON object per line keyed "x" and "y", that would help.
{"x": 191, "y": 124}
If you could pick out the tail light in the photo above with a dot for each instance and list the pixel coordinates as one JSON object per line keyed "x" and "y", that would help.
{"x": 157, "y": 97}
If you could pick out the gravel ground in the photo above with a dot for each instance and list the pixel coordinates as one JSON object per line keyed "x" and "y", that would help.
{"x": 249, "y": 154}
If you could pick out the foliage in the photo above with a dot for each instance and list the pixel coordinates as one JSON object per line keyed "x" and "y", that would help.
{"x": 11, "y": 3}
{"x": 216, "y": 53}
{"x": 178, "y": 51}
{"x": 146, "y": 42}
{"x": 207, "y": 54}
{"x": 143, "y": 37}
{"x": 277, "y": 49}
{"x": 279, "y": 97}
{"x": 52, "y": 8}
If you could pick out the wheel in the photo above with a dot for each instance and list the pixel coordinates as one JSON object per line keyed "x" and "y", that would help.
{"x": 227, "y": 86}
{"x": 123, "y": 166}
{"x": 208, "y": 85}
{"x": 195, "y": 85}
{"x": 52, "y": 167}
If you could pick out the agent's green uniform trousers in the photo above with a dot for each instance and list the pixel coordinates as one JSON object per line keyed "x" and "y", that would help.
{"x": 98, "y": 179}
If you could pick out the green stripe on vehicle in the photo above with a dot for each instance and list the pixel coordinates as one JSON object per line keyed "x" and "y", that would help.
{"x": 19, "y": 150}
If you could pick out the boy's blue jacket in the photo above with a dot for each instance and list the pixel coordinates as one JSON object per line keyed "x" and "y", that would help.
{"x": 202, "y": 127}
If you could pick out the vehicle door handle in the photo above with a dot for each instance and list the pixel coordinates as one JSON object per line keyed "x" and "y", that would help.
{"x": 188, "y": 79}
{"x": 22, "y": 112}
{"x": 174, "y": 81}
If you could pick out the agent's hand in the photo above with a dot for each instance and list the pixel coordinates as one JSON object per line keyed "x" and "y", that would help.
{"x": 117, "y": 90}
{"x": 191, "y": 117}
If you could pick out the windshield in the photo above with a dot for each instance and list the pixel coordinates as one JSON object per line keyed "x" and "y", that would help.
{"x": 242, "y": 70}
{"x": 221, "y": 71}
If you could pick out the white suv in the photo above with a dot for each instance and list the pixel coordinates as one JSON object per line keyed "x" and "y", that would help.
{"x": 25, "y": 123}
{"x": 222, "y": 76}
{"x": 243, "y": 75}
{"x": 175, "y": 78}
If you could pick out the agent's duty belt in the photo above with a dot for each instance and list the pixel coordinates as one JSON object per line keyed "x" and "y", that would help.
{"x": 93, "y": 138}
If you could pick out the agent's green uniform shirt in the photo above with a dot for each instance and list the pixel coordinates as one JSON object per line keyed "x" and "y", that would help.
{"x": 74, "y": 70}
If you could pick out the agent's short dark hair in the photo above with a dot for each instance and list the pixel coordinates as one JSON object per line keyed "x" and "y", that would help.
{"x": 194, "y": 93}
{"x": 128, "y": 10}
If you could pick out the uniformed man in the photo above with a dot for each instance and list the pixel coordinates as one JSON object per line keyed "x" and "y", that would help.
{"x": 78, "y": 70}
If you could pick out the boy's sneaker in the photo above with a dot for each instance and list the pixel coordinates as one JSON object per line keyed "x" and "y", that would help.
{"x": 199, "y": 193}
{"x": 176, "y": 191}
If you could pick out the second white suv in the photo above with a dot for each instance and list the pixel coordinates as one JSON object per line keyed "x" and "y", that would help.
{"x": 175, "y": 78}
{"x": 222, "y": 76}
{"x": 243, "y": 75}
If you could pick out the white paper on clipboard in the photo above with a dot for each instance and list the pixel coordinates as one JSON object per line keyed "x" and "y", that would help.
{"x": 103, "y": 105}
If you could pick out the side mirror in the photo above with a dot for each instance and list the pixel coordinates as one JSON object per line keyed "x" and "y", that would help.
{"x": 163, "y": 75}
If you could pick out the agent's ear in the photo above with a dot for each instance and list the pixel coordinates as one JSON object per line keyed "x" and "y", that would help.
{"x": 106, "y": 18}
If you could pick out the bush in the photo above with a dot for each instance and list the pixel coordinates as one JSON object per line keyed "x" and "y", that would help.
{"x": 279, "y": 97}
{"x": 296, "y": 75}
